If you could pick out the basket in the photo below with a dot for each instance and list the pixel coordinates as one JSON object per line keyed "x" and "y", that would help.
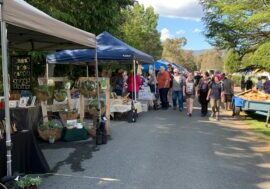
{"x": 45, "y": 134}
{"x": 92, "y": 132}
{"x": 68, "y": 115}
{"x": 88, "y": 93}
{"x": 94, "y": 112}
{"x": 42, "y": 96}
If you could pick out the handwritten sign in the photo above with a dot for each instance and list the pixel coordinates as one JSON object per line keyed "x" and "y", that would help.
{"x": 21, "y": 72}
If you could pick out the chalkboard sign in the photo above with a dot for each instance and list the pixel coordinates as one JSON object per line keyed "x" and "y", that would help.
{"x": 21, "y": 72}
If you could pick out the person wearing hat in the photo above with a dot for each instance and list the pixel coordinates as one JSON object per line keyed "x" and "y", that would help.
{"x": 214, "y": 95}
{"x": 177, "y": 90}
{"x": 163, "y": 79}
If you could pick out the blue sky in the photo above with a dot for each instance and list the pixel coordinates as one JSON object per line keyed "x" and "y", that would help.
{"x": 180, "y": 18}
{"x": 190, "y": 29}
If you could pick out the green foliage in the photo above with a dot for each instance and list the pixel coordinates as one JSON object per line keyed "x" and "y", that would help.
{"x": 211, "y": 60}
{"x": 140, "y": 30}
{"x": 28, "y": 182}
{"x": 261, "y": 56}
{"x": 94, "y": 16}
{"x": 172, "y": 50}
{"x": 237, "y": 80}
{"x": 51, "y": 124}
{"x": 241, "y": 25}
{"x": 232, "y": 61}
{"x": 189, "y": 61}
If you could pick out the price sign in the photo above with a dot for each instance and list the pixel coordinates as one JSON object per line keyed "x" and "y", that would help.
{"x": 21, "y": 72}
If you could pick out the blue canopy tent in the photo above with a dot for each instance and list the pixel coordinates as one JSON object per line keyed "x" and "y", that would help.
{"x": 109, "y": 48}
{"x": 164, "y": 63}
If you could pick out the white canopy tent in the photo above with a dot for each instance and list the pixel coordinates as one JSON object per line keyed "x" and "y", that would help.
{"x": 25, "y": 28}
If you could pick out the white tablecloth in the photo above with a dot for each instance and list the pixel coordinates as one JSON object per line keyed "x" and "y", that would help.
{"x": 121, "y": 108}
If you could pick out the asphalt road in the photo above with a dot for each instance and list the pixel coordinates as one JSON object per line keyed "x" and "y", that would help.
{"x": 164, "y": 150}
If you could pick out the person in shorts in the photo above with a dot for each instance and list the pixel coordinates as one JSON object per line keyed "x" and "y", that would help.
{"x": 227, "y": 92}
{"x": 214, "y": 95}
{"x": 189, "y": 93}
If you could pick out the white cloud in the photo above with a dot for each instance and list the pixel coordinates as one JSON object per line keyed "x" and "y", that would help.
{"x": 185, "y": 9}
{"x": 180, "y": 32}
{"x": 197, "y": 30}
{"x": 165, "y": 34}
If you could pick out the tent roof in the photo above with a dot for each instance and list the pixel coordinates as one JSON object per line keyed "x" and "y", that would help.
{"x": 32, "y": 29}
{"x": 108, "y": 48}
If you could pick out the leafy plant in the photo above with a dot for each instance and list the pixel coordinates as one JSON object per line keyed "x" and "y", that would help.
{"x": 50, "y": 125}
{"x": 28, "y": 182}
{"x": 45, "y": 89}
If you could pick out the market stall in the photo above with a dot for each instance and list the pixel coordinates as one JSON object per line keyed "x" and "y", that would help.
{"x": 109, "y": 49}
{"x": 25, "y": 28}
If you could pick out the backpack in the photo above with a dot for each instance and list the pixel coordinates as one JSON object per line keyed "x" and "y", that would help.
{"x": 190, "y": 87}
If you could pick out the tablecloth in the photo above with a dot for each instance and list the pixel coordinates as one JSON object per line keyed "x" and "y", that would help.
{"x": 26, "y": 155}
{"x": 25, "y": 118}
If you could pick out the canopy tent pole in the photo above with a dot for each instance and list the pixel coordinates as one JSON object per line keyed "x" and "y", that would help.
{"x": 155, "y": 78}
{"x": 47, "y": 72}
{"x": 87, "y": 70}
{"x": 134, "y": 78}
{"x": 6, "y": 89}
{"x": 98, "y": 97}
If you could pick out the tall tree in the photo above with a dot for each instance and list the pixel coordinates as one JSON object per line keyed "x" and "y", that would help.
{"x": 94, "y": 16}
{"x": 242, "y": 25}
{"x": 140, "y": 29}
{"x": 172, "y": 50}
{"x": 262, "y": 56}
{"x": 232, "y": 61}
{"x": 189, "y": 61}
{"x": 211, "y": 60}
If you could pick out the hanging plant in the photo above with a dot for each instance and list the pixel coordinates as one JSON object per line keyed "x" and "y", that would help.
{"x": 44, "y": 92}
{"x": 60, "y": 95}
{"x": 88, "y": 88}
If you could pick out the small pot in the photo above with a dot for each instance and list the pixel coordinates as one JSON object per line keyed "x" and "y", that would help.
{"x": 51, "y": 140}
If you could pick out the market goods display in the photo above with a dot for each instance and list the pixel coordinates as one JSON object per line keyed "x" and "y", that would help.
{"x": 60, "y": 95}
{"x": 88, "y": 88}
{"x": 44, "y": 92}
{"x": 255, "y": 95}
{"x": 119, "y": 99}
{"x": 50, "y": 129}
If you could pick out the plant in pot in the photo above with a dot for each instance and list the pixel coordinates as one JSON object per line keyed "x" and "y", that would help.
{"x": 60, "y": 95}
{"x": 28, "y": 182}
{"x": 88, "y": 88}
{"x": 51, "y": 130}
{"x": 67, "y": 84}
{"x": 44, "y": 92}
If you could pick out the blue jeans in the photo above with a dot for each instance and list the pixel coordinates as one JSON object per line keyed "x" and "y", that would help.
{"x": 178, "y": 95}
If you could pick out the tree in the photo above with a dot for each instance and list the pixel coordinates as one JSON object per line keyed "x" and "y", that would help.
{"x": 232, "y": 61}
{"x": 172, "y": 50}
{"x": 261, "y": 56}
{"x": 189, "y": 61}
{"x": 211, "y": 60}
{"x": 94, "y": 16}
{"x": 140, "y": 30}
{"x": 242, "y": 25}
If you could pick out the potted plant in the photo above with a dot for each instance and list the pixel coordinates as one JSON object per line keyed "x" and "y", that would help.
{"x": 60, "y": 95}
{"x": 88, "y": 88}
{"x": 28, "y": 182}
{"x": 44, "y": 92}
{"x": 67, "y": 84}
{"x": 51, "y": 130}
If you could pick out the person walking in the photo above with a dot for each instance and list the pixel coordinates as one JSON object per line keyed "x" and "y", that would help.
{"x": 203, "y": 88}
{"x": 177, "y": 90}
{"x": 243, "y": 83}
{"x": 163, "y": 79}
{"x": 228, "y": 91}
{"x": 267, "y": 86}
{"x": 214, "y": 95}
{"x": 259, "y": 85}
{"x": 189, "y": 93}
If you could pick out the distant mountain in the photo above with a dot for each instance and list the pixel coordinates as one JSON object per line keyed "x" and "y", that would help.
{"x": 199, "y": 52}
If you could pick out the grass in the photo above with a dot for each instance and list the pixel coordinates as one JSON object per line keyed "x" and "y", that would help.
{"x": 257, "y": 123}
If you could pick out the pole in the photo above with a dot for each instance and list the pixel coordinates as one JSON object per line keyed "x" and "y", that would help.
{"x": 6, "y": 89}
{"x": 47, "y": 72}
{"x": 155, "y": 78}
{"x": 134, "y": 78}
{"x": 98, "y": 97}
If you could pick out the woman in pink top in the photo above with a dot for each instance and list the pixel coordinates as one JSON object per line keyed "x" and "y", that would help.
{"x": 130, "y": 82}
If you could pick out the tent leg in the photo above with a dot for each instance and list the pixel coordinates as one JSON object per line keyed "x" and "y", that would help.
{"x": 47, "y": 72}
{"x": 6, "y": 92}
{"x": 134, "y": 78}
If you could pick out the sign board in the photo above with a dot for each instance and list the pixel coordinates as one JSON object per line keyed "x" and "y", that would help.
{"x": 21, "y": 72}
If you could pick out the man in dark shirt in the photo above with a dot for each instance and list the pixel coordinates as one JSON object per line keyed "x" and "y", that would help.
{"x": 197, "y": 78}
{"x": 249, "y": 84}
